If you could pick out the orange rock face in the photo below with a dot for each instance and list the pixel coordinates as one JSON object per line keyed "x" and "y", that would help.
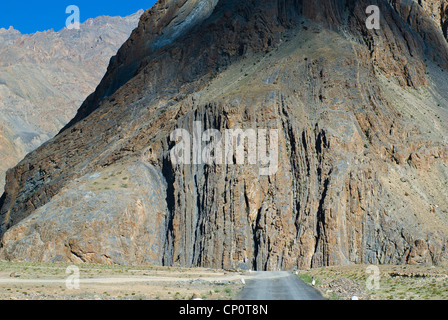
{"x": 362, "y": 116}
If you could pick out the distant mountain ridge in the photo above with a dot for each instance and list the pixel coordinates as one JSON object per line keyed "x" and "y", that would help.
{"x": 8, "y": 36}
{"x": 45, "y": 76}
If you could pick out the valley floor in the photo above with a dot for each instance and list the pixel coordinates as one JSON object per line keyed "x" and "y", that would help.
{"x": 45, "y": 281}
{"x": 39, "y": 281}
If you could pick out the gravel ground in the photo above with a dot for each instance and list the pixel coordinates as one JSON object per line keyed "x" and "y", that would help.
{"x": 22, "y": 281}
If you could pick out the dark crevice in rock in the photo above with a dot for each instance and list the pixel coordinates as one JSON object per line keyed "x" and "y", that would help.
{"x": 321, "y": 142}
{"x": 2, "y": 227}
{"x": 168, "y": 173}
{"x": 320, "y": 218}
{"x": 257, "y": 233}
{"x": 306, "y": 152}
{"x": 202, "y": 211}
{"x": 2, "y": 199}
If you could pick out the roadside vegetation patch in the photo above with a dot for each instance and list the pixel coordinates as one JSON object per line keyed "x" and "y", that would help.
{"x": 407, "y": 282}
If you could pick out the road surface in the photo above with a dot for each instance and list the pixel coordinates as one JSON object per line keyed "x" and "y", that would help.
{"x": 277, "y": 286}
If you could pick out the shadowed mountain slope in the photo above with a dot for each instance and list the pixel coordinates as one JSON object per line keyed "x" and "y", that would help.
{"x": 44, "y": 78}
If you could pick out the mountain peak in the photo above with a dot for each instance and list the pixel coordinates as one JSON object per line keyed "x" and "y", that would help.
{"x": 10, "y": 30}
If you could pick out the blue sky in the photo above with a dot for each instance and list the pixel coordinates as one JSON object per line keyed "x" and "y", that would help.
{"x": 29, "y": 16}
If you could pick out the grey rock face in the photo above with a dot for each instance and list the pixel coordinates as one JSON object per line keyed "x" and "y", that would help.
{"x": 362, "y": 160}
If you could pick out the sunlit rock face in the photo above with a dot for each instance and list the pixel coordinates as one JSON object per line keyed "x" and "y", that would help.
{"x": 362, "y": 149}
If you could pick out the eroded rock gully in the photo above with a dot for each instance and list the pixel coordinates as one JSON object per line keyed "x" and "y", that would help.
{"x": 362, "y": 117}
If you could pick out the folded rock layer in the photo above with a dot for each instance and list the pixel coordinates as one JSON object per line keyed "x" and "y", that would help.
{"x": 362, "y": 121}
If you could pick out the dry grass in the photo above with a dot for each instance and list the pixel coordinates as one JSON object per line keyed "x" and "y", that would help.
{"x": 396, "y": 282}
{"x": 39, "y": 281}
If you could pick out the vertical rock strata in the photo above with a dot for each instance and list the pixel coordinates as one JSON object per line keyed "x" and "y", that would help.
{"x": 362, "y": 119}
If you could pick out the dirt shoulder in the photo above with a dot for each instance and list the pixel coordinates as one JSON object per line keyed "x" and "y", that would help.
{"x": 32, "y": 281}
{"x": 394, "y": 282}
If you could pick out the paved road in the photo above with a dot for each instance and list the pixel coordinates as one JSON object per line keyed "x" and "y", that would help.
{"x": 277, "y": 286}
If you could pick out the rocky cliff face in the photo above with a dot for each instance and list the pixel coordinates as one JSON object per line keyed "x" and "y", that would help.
{"x": 362, "y": 119}
{"x": 44, "y": 78}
